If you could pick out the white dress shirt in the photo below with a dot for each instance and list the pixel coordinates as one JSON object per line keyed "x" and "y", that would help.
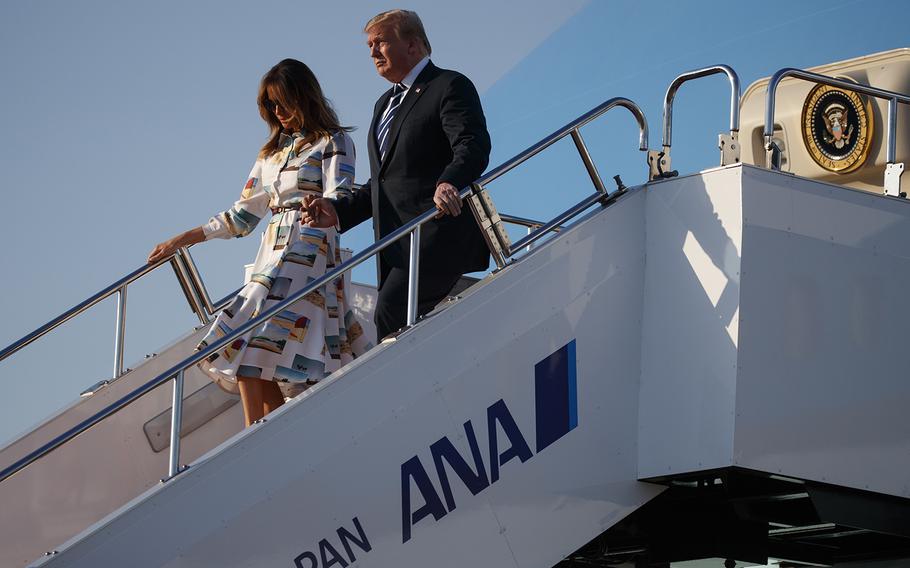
{"x": 406, "y": 82}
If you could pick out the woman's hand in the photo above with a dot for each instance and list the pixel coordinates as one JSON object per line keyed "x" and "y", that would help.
{"x": 170, "y": 246}
{"x": 163, "y": 250}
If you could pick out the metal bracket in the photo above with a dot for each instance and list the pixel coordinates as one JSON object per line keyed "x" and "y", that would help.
{"x": 180, "y": 470}
{"x": 893, "y": 179}
{"x": 659, "y": 164}
{"x": 729, "y": 148}
{"x": 494, "y": 233}
{"x": 773, "y": 155}
{"x": 90, "y": 391}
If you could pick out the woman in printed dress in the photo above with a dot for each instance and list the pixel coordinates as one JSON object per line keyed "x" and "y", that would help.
{"x": 307, "y": 154}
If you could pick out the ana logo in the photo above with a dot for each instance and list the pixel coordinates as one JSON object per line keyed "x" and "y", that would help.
{"x": 556, "y": 414}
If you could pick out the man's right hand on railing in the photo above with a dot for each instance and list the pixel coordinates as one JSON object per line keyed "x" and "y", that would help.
{"x": 318, "y": 212}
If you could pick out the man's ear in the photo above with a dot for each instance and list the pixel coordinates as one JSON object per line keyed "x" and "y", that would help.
{"x": 413, "y": 46}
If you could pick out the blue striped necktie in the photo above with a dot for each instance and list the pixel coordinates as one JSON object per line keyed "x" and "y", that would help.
{"x": 382, "y": 132}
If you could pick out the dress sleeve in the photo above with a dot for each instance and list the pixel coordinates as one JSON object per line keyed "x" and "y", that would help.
{"x": 242, "y": 218}
{"x": 338, "y": 166}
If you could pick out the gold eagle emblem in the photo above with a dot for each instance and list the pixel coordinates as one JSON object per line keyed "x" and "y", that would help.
{"x": 837, "y": 128}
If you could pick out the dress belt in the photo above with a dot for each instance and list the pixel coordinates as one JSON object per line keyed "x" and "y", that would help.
{"x": 289, "y": 207}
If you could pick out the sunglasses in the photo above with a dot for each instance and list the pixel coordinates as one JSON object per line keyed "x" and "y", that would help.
{"x": 272, "y": 105}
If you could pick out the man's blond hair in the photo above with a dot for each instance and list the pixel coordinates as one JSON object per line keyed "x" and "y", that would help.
{"x": 407, "y": 26}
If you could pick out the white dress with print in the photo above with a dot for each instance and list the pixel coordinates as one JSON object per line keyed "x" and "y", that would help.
{"x": 318, "y": 334}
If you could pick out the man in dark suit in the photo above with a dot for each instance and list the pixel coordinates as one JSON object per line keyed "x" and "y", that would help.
{"x": 427, "y": 140}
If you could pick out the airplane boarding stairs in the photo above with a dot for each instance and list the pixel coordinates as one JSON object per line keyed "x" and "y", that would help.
{"x": 703, "y": 366}
{"x": 659, "y": 342}
{"x": 455, "y": 367}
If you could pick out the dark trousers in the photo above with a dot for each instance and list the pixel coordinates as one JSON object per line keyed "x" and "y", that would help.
{"x": 392, "y": 305}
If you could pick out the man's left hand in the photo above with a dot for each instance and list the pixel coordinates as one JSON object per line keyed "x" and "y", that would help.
{"x": 447, "y": 200}
{"x": 318, "y": 212}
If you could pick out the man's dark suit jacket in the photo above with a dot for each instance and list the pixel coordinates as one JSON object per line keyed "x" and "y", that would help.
{"x": 439, "y": 134}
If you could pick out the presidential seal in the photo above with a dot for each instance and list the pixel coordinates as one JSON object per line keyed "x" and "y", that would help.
{"x": 837, "y": 128}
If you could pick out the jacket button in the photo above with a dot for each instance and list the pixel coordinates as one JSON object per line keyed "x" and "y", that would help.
{"x": 382, "y": 180}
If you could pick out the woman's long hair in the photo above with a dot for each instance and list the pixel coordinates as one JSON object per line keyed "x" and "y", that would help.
{"x": 296, "y": 89}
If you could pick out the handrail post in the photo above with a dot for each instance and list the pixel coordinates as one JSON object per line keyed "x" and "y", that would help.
{"x": 119, "y": 331}
{"x": 413, "y": 275}
{"x": 196, "y": 280}
{"x": 892, "y": 129}
{"x": 173, "y": 467}
{"x": 79, "y": 308}
{"x": 190, "y": 290}
{"x": 589, "y": 163}
{"x": 893, "y": 171}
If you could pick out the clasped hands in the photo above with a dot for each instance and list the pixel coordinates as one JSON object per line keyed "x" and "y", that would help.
{"x": 320, "y": 212}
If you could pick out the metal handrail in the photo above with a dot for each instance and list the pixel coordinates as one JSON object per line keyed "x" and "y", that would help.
{"x": 411, "y": 228}
{"x": 659, "y": 160}
{"x": 571, "y": 129}
{"x": 531, "y": 225}
{"x": 182, "y": 262}
{"x": 567, "y": 130}
{"x": 118, "y": 287}
{"x": 223, "y": 302}
{"x": 215, "y": 307}
{"x": 212, "y": 348}
{"x": 557, "y": 221}
{"x": 524, "y": 222}
{"x": 696, "y": 74}
{"x": 193, "y": 276}
{"x": 892, "y": 182}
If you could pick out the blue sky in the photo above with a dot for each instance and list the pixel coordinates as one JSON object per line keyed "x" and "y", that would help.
{"x": 126, "y": 122}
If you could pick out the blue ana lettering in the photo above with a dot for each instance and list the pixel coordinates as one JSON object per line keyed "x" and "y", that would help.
{"x": 555, "y": 415}
{"x": 499, "y": 414}
{"x": 412, "y": 470}
{"x": 443, "y": 449}
{"x": 474, "y": 478}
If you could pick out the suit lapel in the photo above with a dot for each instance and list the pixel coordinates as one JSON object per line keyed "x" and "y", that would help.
{"x": 414, "y": 93}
